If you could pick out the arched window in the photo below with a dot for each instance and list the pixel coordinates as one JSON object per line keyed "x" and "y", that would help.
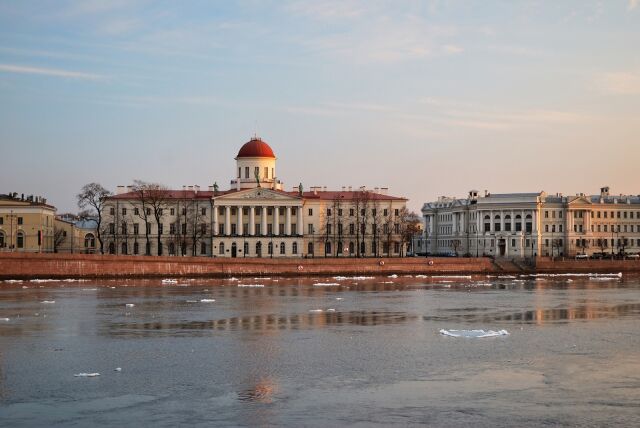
{"x": 310, "y": 248}
{"x": 20, "y": 240}
{"x": 221, "y": 248}
{"x": 282, "y": 248}
{"x": 496, "y": 224}
{"x": 518, "y": 223}
{"x": 529, "y": 223}
{"x": 507, "y": 223}
{"x": 112, "y": 248}
{"x": 487, "y": 223}
{"x": 339, "y": 248}
{"x": 89, "y": 241}
{"x": 294, "y": 248}
{"x": 123, "y": 248}
{"x": 245, "y": 248}
{"x": 352, "y": 248}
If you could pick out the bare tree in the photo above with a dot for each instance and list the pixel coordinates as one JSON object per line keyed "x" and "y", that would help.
{"x": 59, "y": 236}
{"x": 196, "y": 224}
{"x": 92, "y": 198}
{"x": 409, "y": 226}
{"x": 361, "y": 202}
{"x": 455, "y": 245}
{"x": 388, "y": 227}
{"x": 377, "y": 221}
{"x": 153, "y": 198}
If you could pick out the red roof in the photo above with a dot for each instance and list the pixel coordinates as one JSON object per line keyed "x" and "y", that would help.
{"x": 256, "y": 148}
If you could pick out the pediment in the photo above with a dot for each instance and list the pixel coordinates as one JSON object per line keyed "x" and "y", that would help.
{"x": 258, "y": 193}
{"x": 580, "y": 200}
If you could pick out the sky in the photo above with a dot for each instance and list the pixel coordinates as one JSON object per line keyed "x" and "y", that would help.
{"x": 427, "y": 98}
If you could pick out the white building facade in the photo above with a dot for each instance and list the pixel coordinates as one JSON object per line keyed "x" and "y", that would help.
{"x": 523, "y": 225}
{"x": 256, "y": 217}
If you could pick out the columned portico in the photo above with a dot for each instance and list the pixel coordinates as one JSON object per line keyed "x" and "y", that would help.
{"x": 252, "y": 221}
{"x": 227, "y": 220}
{"x": 287, "y": 223}
{"x": 276, "y": 220}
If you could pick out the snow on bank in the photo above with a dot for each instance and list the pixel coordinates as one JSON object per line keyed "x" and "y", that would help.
{"x": 326, "y": 284}
{"x": 473, "y": 333}
{"x": 251, "y": 285}
{"x": 86, "y": 374}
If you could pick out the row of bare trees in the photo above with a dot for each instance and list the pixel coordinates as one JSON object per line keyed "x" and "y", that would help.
{"x": 362, "y": 220}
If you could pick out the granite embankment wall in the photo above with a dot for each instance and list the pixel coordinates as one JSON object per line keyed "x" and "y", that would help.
{"x": 31, "y": 266}
{"x": 546, "y": 265}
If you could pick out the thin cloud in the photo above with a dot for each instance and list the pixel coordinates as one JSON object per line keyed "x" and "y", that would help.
{"x": 53, "y": 72}
{"x": 619, "y": 83}
{"x": 633, "y": 4}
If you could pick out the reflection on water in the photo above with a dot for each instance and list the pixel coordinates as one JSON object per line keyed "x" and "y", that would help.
{"x": 258, "y": 323}
{"x": 262, "y": 392}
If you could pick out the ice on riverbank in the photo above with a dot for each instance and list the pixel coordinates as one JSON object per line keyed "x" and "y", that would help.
{"x": 169, "y": 281}
{"x": 86, "y": 374}
{"x": 551, "y": 275}
{"x": 452, "y": 276}
{"x": 473, "y": 333}
{"x": 207, "y": 300}
{"x": 4, "y": 319}
{"x": 326, "y": 284}
{"x": 48, "y": 302}
{"x": 251, "y": 285}
{"x": 129, "y": 305}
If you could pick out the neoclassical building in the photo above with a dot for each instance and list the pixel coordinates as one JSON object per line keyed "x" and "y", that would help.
{"x": 533, "y": 224}
{"x": 255, "y": 217}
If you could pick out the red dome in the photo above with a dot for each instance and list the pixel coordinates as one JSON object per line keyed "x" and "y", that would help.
{"x": 256, "y": 148}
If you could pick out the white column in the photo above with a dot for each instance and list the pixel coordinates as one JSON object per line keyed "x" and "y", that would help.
{"x": 501, "y": 221}
{"x": 513, "y": 222}
{"x": 276, "y": 220}
{"x": 287, "y": 221}
{"x": 252, "y": 221}
{"x": 299, "y": 222}
{"x": 535, "y": 221}
{"x": 227, "y": 220}
{"x": 263, "y": 221}
{"x": 215, "y": 220}
{"x": 240, "y": 225}
{"x": 523, "y": 222}
{"x": 491, "y": 224}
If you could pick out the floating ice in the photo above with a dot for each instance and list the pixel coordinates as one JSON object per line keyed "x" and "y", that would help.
{"x": 89, "y": 289}
{"x": 251, "y": 285}
{"x": 44, "y": 280}
{"x": 393, "y": 276}
{"x": 129, "y": 305}
{"x": 169, "y": 281}
{"x": 453, "y": 276}
{"x": 117, "y": 369}
{"x": 258, "y": 279}
{"x": 331, "y": 310}
{"x": 315, "y": 310}
{"x": 12, "y": 281}
{"x": 421, "y": 276}
{"x": 233, "y": 279}
{"x": 619, "y": 274}
{"x": 207, "y": 300}
{"x": 48, "y": 301}
{"x": 473, "y": 333}
{"x": 338, "y": 298}
{"x": 600, "y": 278}
{"x": 387, "y": 282}
{"x": 4, "y": 319}
{"x": 325, "y": 284}
{"x": 340, "y": 278}
{"x": 192, "y": 301}
{"x": 86, "y": 374}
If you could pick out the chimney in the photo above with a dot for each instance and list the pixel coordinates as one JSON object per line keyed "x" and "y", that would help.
{"x": 196, "y": 188}
{"x": 343, "y": 187}
{"x": 384, "y": 190}
{"x": 190, "y": 187}
{"x": 350, "y": 188}
{"x": 120, "y": 190}
{"x": 129, "y": 188}
{"x": 375, "y": 189}
{"x": 211, "y": 188}
{"x": 184, "y": 187}
{"x": 324, "y": 188}
{"x": 315, "y": 190}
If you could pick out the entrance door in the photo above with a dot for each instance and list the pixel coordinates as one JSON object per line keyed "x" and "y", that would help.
{"x": 502, "y": 246}
{"x": 259, "y": 249}
{"x": 234, "y": 250}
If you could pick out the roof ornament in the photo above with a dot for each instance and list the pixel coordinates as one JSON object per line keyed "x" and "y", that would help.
{"x": 257, "y": 175}
{"x": 300, "y": 189}
{"x": 215, "y": 187}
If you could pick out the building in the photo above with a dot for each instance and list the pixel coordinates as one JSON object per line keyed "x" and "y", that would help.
{"x": 255, "y": 217}
{"x": 73, "y": 234}
{"x": 522, "y": 225}
{"x": 26, "y": 224}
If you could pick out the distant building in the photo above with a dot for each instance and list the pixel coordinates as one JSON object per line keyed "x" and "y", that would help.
{"x": 73, "y": 234}
{"x": 256, "y": 217}
{"x": 531, "y": 224}
{"x": 26, "y": 224}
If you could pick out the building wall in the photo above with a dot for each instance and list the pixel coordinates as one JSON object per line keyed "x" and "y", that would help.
{"x": 26, "y": 226}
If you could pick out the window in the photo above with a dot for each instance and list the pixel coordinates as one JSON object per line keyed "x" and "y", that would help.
{"x": 256, "y": 171}
{"x": 172, "y": 229}
{"x": 329, "y": 229}
{"x": 112, "y": 211}
{"x": 148, "y": 211}
{"x": 294, "y": 248}
{"x": 397, "y": 212}
{"x": 339, "y": 228}
{"x": 1, "y": 220}
{"x": 203, "y": 211}
{"x": 310, "y": 229}
{"x": 136, "y": 248}
{"x": 124, "y": 228}
{"x": 239, "y": 172}
{"x": 385, "y": 248}
{"x": 258, "y": 230}
{"x": 351, "y": 212}
{"x": 183, "y": 227}
{"x": 269, "y": 229}
{"x": 546, "y": 214}
{"x": 310, "y": 248}
{"x": 339, "y": 212}
{"x": 351, "y": 229}
{"x": 270, "y": 248}
{"x": 148, "y": 228}
{"x": 281, "y": 227}
{"x": 246, "y": 172}
{"x": 136, "y": 211}
{"x": 352, "y": 248}
{"x": 282, "y": 248}
{"x": 310, "y": 211}
{"x": 385, "y": 212}
{"x": 245, "y": 248}
{"x": 112, "y": 248}
{"x": 233, "y": 228}
{"x": 221, "y": 248}
{"x": 112, "y": 228}
{"x": 327, "y": 248}
{"x": 124, "y": 211}
{"x": 20, "y": 240}
{"x": 172, "y": 211}
{"x": 266, "y": 172}
{"x": 123, "y": 248}
{"x": 148, "y": 249}
{"x": 203, "y": 228}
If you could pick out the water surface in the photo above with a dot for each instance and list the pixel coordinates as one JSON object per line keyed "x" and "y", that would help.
{"x": 364, "y": 352}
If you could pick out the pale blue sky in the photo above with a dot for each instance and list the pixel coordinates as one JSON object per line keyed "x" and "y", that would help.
{"x": 426, "y": 97}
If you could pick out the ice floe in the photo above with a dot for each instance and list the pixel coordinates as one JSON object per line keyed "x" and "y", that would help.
{"x": 325, "y": 284}
{"x": 251, "y": 285}
{"x": 44, "y": 280}
{"x": 618, "y": 275}
{"x": 48, "y": 301}
{"x": 473, "y": 333}
{"x": 86, "y": 374}
{"x": 453, "y": 276}
{"x": 191, "y": 301}
{"x": 316, "y": 310}
{"x": 129, "y": 305}
{"x": 354, "y": 278}
{"x": 169, "y": 281}
{"x": 338, "y": 298}
{"x": 13, "y": 281}
{"x": 393, "y": 276}
{"x": 207, "y": 300}
{"x": 4, "y": 319}
{"x": 331, "y": 310}
{"x": 117, "y": 369}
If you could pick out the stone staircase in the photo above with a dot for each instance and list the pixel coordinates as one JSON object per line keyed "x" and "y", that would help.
{"x": 509, "y": 266}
